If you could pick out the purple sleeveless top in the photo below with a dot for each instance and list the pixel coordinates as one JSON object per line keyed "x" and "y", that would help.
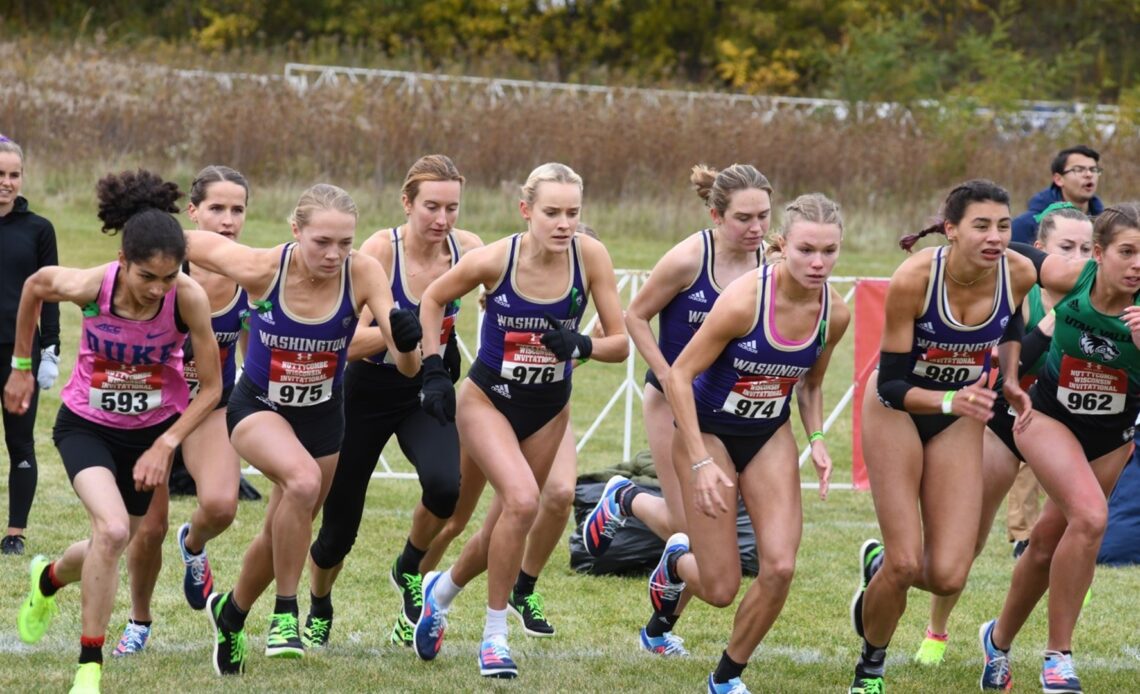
{"x": 128, "y": 374}
{"x": 402, "y": 297}
{"x": 226, "y": 323}
{"x": 948, "y": 355}
{"x": 748, "y": 388}
{"x": 513, "y": 324}
{"x": 297, "y": 361}
{"x": 680, "y": 318}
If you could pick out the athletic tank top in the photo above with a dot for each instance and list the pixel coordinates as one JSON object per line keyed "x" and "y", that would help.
{"x": 297, "y": 361}
{"x": 128, "y": 374}
{"x": 948, "y": 355}
{"x": 402, "y": 297}
{"x": 1092, "y": 370}
{"x": 749, "y": 386}
{"x": 514, "y": 323}
{"x": 227, "y": 325}
{"x": 680, "y": 318}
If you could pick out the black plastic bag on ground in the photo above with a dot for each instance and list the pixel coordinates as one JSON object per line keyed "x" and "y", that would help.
{"x": 182, "y": 484}
{"x": 635, "y": 550}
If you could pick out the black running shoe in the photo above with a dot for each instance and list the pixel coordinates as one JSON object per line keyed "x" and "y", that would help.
{"x": 316, "y": 631}
{"x": 229, "y": 646}
{"x": 531, "y": 612}
{"x": 867, "y": 555}
{"x": 411, "y": 590}
{"x": 12, "y": 544}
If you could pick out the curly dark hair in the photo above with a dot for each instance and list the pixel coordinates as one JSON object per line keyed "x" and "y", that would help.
{"x": 141, "y": 204}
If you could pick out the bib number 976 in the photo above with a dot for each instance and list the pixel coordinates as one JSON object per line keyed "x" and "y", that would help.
{"x": 533, "y": 374}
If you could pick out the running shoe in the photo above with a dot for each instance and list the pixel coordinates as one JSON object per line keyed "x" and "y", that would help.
{"x": 532, "y": 613}
{"x": 403, "y": 631}
{"x": 87, "y": 679}
{"x": 432, "y": 624}
{"x": 665, "y": 588}
{"x": 667, "y": 644}
{"x": 133, "y": 639}
{"x": 605, "y": 519}
{"x": 733, "y": 686}
{"x": 37, "y": 610}
{"x": 12, "y": 544}
{"x": 411, "y": 590}
{"x": 229, "y": 646}
{"x": 284, "y": 638}
{"x": 316, "y": 632}
{"x": 932, "y": 650}
{"x": 870, "y": 550}
{"x": 198, "y": 582}
{"x": 1058, "y": 675}
{"x": 495, "y": 659}
{"x": 866, "y": 682}
{"x": 996, "y": 674}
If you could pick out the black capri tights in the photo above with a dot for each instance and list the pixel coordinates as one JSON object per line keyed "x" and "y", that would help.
{"x": 19, "y": 436}
{"x": 376, "y": 407}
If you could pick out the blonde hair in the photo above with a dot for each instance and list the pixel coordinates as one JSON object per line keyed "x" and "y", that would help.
{"x": 322, "y": 196}
{"x": 716, "y": 187}
{"x": 550, "y": 172}
{"x": 9, "y": 145}
{"x": 811, "y": 207}
{"x": 433, "y": 167}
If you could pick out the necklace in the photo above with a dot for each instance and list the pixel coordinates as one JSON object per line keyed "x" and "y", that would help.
{"x": 959, "y": 282}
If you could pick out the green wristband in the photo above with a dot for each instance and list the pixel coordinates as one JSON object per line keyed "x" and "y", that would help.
{"x": 815, "y": 436}
{"x": 21, "y": 363}
{"x": 948, "y": 402}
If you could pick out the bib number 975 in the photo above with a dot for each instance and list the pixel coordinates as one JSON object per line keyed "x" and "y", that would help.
{"x": 298, "y": 395}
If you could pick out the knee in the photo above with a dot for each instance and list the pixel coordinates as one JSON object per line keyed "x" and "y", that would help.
{"x": 521, "y": 504}
{"x": 904, "y": 571}
{"x": 720, "y": 591}
{"x": 778, "y": 572}
{"x": 558, "y": 498}
{"x": 330, "y": 549}
{"x": 152, "y": 531}
{"x": 949, "y": 581}
{"x": 1088, "y": 522}
{"x": 440, "y": 495}
{"x": 111, "y": 535}
{"x": 218, "y": 513}
{"x": 303, "y": 486}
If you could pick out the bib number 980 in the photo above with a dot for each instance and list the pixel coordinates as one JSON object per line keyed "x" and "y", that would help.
{"x": 947, "y": 374}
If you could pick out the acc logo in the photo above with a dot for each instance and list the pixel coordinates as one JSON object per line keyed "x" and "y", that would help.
{"x": 1004, "y": 322}
{"x": 346, "y": 321}
{"x": 1095, "y": 345}
{"x": 109, "y": 328}
{"x": 1128, "y": 433}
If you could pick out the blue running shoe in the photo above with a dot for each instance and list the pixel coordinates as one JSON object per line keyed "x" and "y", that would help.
{"x": 996, "y": 674}
{"x": 605, "y": 519}
{"x": 1058, "y": 675}
{"x": 665, "y": 588}
{"x": 133, "y": 639}
{"x": 198, "y": 582}
{"x": 733, "y": 686}
{"x": 666, "y": 644}
{"x": 432, "y": 624}
{"x": 868, "y": 567}
{"x": 495, "y": 658}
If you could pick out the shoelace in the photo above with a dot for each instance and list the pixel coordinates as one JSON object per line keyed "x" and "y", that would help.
{"x": 998, "y": 667}
{"x": 238, "y": 646}
{"x": 535, "y": 604}
{"x": 668, "y": 591}
{"x": 498, "y": 649}
{"x": 674, "y": 645}
{"x": 438, "y": 623}
{"x": 319, "y": 628}
{"x": 199, "y": 566}
{"x": 413, "y": 583}
{"x": 134, "y": 637}
{"x": 284, "y": 626}
{"x": 1062, "y": 666}
{"x": 873, "y": 686}
{"x": 613, "y": 521}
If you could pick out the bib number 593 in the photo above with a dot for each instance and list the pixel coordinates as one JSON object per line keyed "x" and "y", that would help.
{"x": 123, "y": 402}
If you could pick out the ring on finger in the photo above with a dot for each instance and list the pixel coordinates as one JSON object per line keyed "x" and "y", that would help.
{"x": 971, "y": 398}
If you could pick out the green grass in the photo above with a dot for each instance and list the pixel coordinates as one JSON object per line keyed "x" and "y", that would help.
{"x": 810, "y": 649}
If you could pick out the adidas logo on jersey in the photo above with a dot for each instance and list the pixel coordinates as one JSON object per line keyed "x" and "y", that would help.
{"x": 748, "y": 346}
{"x": 501, "y": 299}
{"x": 24, "y": 465}
{"x": 502, "y": 389}
{"x": 1074, "y": 305}
{"x": 926, "y": 326}
{"x": 699, "y": 295}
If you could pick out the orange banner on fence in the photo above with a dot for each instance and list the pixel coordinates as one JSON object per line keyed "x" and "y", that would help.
{"x": 870, "y": 303}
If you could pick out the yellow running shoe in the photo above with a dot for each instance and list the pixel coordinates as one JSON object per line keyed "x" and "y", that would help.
{"x": 38, "y": 609}
{"x": 87, "y": 679}
{"x": 932, "y": 650}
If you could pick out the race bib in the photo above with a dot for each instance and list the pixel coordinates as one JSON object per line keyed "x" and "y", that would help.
{"x": 950, "y": 367}
{"x": 758, "y": 397}
{"x": 527, "y": 360}
{"x": 190, "y": 370}
{"x": 301, "y": 379}
{"x": 122, "y": 389}
{"x": 1090, "y": 388}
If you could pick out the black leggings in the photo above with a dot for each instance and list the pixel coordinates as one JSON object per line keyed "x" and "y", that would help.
{"x": 379, "y": 403}
{"x": 19, "y": 435}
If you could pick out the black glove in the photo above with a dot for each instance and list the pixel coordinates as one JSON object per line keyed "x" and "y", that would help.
{"x": 564, "y": 342}
{"x": 451, "y": 358}
{"x": 406, "y": 330}
{"x": 437, "y": 395}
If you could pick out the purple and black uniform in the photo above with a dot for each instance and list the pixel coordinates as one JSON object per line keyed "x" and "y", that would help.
{"x": 744, "y": 397}
{"x": 379, "y": 402}
{"x": 295, "y": 365}
{"x": 946, "y": 354}
{"x": 227, "y": 325}
{"x": 522, "y": 378}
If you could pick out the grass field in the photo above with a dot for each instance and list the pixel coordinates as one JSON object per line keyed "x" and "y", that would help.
{"x": 810, "y": 649}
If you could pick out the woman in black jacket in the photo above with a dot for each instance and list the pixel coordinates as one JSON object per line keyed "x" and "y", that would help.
{"x": 27, "y": 243}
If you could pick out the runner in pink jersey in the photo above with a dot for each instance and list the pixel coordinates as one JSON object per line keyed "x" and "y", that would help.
{"x": 125, "y": 408}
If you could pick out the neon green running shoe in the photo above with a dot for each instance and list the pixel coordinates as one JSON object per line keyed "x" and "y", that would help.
{"x": 316, "y": 633}
{"x": 38, "y": 609}
{"x": 87, "y": 678}
{"x": 403, "y": 631}
{"x": 284, "y": 638}
{"x": 230, "y": 647}
{"x": 866, "y": 683}
{"x": 932, "y": 650}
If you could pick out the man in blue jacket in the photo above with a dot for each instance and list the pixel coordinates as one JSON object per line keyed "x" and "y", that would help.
{"x": 1076, "y": 172}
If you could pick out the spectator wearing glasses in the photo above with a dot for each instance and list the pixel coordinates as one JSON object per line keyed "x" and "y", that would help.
{"x": 1076, "y": 173}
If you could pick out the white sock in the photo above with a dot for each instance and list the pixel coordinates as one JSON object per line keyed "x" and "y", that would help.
{"x": 496, "y": 624}
{"x": 445, "y": 590}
